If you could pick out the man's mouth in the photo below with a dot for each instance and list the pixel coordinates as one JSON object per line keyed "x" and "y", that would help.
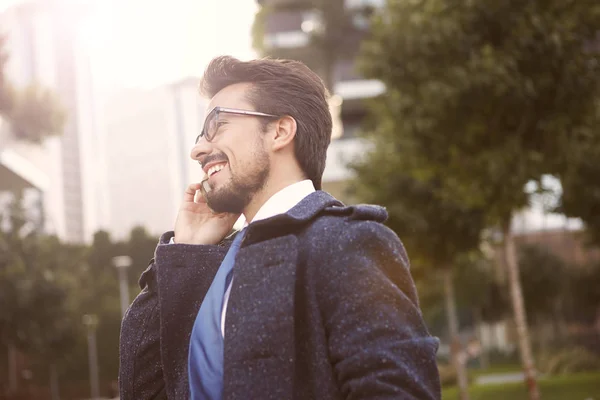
{"x": 215, "y": 169}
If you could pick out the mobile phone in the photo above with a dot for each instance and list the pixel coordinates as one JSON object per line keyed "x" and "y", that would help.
{"x": 205, "y": 187}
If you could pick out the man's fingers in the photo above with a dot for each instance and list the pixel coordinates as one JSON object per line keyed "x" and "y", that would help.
{"x": 190, "y": 192}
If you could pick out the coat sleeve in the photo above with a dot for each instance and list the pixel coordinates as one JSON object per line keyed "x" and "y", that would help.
{"x": 140, "y": 372}
{"x": 378, "y": 342}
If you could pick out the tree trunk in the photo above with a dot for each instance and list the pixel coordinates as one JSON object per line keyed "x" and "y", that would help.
{"x": 458, "y": 360}
{"x": 484, "y": 357}
{"x": 516, "y": 295}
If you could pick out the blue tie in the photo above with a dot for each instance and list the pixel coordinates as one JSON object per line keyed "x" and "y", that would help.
{"x": 206, "y": 344}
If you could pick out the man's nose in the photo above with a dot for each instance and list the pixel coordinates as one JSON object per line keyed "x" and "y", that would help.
{"x": 200, "y": 149}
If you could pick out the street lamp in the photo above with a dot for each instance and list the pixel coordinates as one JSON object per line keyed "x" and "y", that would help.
{"x": 122, "y": 263}
{"x": 91, "y": 323}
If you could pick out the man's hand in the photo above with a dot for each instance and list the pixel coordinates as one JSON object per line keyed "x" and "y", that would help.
{"x": 197, "y": 223}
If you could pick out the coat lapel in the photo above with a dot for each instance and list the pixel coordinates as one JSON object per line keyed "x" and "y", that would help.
{"x": 259, "y": 327}
{"x": 181, "y": 291}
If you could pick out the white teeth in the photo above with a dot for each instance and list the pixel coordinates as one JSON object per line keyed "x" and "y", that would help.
{"x": 215, "y": 168}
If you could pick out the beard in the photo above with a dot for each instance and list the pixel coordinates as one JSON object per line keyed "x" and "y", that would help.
{"x": 235, "y": 195}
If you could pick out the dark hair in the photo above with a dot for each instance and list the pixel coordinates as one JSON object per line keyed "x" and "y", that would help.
{"x": 281, "y": 87}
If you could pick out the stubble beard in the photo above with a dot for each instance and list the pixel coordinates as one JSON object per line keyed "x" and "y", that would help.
{"x": 236, "y": 194}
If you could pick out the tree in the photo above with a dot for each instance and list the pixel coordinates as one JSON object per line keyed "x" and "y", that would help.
{"x": 586, "y": 294}
{"x": 140, "y": 247}
{"x": 34, "y": 313}
{"x": 435, "y": 229}
{"x": 478, "y": 289}
{"x": 581, "y": 190}
{"x": 47, "y": 286}
{"x": 545, "y": 280}
{"x": 33, "y": 112}
{"x": 544, "y": 277}
{"x": 488, "y": 97}
{"x": 6, "y": 91}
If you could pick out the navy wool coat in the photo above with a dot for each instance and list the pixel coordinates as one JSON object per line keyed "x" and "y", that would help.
{"x": 322, "y": 307}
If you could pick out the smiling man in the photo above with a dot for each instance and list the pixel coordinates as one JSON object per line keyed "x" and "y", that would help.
{"x": 311, "y": 300}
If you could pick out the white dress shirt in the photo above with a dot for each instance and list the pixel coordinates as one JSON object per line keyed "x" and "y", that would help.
{"x": 280, "y": 203}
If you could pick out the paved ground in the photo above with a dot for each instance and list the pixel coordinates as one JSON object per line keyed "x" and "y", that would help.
{"x": 500, "y": 378}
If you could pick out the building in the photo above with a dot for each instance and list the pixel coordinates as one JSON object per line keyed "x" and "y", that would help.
{"x": 44, "y": 48}
{"x": 22, "y": 170}
{"x": 149, "y": 134}
{"x": 286, "y": 27}
{"x": 571, "y": 246}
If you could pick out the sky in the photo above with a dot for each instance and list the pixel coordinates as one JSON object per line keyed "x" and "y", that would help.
{"x": 149, "y": 42}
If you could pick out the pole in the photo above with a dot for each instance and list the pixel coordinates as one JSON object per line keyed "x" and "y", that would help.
{"x": 91, "y": 322}
{"x": 124, "y": 291}
{"x": 122, "y": 263}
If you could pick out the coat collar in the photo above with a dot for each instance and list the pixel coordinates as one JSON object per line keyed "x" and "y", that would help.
{"x": 307, "y": 209}
{"x": 303, "y": 212}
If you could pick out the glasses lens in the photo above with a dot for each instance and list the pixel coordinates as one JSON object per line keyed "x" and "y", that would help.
{"x": 210, "y": 123}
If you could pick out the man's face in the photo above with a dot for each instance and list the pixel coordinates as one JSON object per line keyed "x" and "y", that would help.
{"x": 235, "y": 160}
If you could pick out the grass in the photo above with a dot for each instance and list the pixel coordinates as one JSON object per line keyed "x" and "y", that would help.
{"x": 568, "y": 387}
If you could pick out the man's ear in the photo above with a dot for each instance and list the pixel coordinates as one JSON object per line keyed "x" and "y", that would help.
{"x": 285, "y": 132}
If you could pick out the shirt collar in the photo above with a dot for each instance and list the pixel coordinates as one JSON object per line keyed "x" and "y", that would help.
{"x": 284, "y": 200}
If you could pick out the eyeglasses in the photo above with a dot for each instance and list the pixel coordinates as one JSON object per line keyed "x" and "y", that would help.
{"x": 211, "y": 123}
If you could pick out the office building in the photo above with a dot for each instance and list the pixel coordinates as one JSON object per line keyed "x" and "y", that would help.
{"x": 44, "y": 48}
{"x": 287, "y": 28}
{"x": 149, "y": 134}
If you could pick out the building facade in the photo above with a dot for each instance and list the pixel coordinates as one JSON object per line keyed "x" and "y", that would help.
{"x": 149, "y": 134}
{"x": 22, "y": 171}
{"x": 285, "y": 29}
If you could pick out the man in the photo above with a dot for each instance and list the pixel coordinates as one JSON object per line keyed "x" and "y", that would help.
{"x": 311, "y": 300}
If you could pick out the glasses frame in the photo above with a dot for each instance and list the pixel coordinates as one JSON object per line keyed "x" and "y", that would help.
{"x": 214, "y": 115}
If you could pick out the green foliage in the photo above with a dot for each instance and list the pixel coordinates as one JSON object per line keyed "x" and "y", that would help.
{"x": 481, "y": 98}
{"x": 46, "y": 287}
{"x": 434, "y": 227}
{"x": 140, "y": 247}
{"x": 259, "y": 29}
{"x": 33, "y": 112}
{"x": 477, "y": 288}
{"x": 581, "y": 189}
{"x": 36, "y": 114}
{"x": 544, "y": 279}
{"x": 6, "y": 90}
{"x": 34, "y": 313}
{"x": 585, "y": 293}
{"x": 488, "y": 96}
